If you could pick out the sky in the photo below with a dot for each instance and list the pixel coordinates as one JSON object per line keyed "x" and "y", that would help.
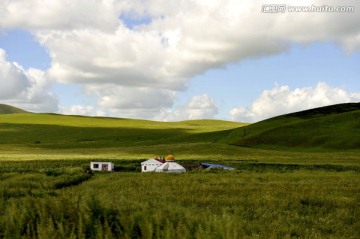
{"x": 170, "y": 60}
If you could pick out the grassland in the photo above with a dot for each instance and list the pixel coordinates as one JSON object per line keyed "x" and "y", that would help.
{"x": 65, "y": 203}
{"x": 278, "y": 190}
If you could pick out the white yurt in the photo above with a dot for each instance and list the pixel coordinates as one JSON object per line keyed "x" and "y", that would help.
{"x": 170, "y": 166}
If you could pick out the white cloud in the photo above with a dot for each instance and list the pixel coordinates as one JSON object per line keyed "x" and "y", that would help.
{"x": 132, "y": 98}
{"x": 64, "y": 14}
{"x": 27, "y": 89}
{"x": 185, "y": 40}
{"x": 124, "y": 58}
{"x": 81, "y": 110}
{"x": 158, "y": 105}
{"x": 165, "y": 53}
{"x": 198, "y": 107}
{"x": 12, "y": 78}
{"x": 131, "y": 102}
{"x": 282, "y": 100}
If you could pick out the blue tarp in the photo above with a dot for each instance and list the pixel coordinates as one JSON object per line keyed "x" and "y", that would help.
{"x": 212, "y": 165}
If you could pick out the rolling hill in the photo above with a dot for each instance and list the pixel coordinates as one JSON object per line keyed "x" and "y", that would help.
{"x": 7, "y": 109}
{"x": 54, "y": 131}
{"x": 334, "y": 127}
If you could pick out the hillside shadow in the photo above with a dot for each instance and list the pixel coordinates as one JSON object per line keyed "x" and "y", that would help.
{"x": 54, "y": 136}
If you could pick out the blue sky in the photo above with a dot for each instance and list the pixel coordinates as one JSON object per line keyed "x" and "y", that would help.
{"x": 21, "y": 47}
{"x": 154, "y": 63}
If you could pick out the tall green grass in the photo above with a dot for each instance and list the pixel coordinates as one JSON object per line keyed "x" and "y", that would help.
{"x": 199, "y": 204}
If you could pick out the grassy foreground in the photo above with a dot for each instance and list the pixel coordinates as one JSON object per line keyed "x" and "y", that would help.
{"x": 44, "y": 201}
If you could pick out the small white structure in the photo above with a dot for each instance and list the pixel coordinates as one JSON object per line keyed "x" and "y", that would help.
{"x": 150, "y": 165}
{"x": 102, "y": 166}
{"x": 170, "y": 166}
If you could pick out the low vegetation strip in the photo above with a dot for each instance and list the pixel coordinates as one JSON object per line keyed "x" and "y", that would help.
{"x": 71, "y": 181}
{"x": 265, "y": 167}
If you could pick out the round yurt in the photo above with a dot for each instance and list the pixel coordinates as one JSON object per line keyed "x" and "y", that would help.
{"x": 170, "y": 166}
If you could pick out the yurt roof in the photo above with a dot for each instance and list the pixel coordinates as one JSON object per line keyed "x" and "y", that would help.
{"x": 170, "y": 157}
{"x": 152, "y": 161}
{"x": 170, "y": 167}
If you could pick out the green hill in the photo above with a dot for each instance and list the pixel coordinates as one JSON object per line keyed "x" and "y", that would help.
{"x": 334, "y": 127}
{"x": 60, "y": 131}
{"x": 331, "y": 127}
{"x": 7, "y": 109}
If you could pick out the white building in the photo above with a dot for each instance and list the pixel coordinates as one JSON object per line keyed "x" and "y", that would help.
{"x": 102, "y": 166}
{"x": 150, "y": 165}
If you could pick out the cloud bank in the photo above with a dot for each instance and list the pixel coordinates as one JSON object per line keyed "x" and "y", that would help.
{"x": 283, "y": 100}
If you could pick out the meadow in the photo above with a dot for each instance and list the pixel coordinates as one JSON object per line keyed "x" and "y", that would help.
{"x": 56, "y": 199}
{"x": 276, "y": 191}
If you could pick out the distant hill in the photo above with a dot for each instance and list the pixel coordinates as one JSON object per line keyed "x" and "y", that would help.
{"x": 335, "y": 127}
{"x": 7, "y": 109}
{"x": 331, "y": 127}
{"x": 64, "y": 131}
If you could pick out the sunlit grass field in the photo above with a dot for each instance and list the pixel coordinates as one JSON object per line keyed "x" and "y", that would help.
{"x": 275, "y": 192}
